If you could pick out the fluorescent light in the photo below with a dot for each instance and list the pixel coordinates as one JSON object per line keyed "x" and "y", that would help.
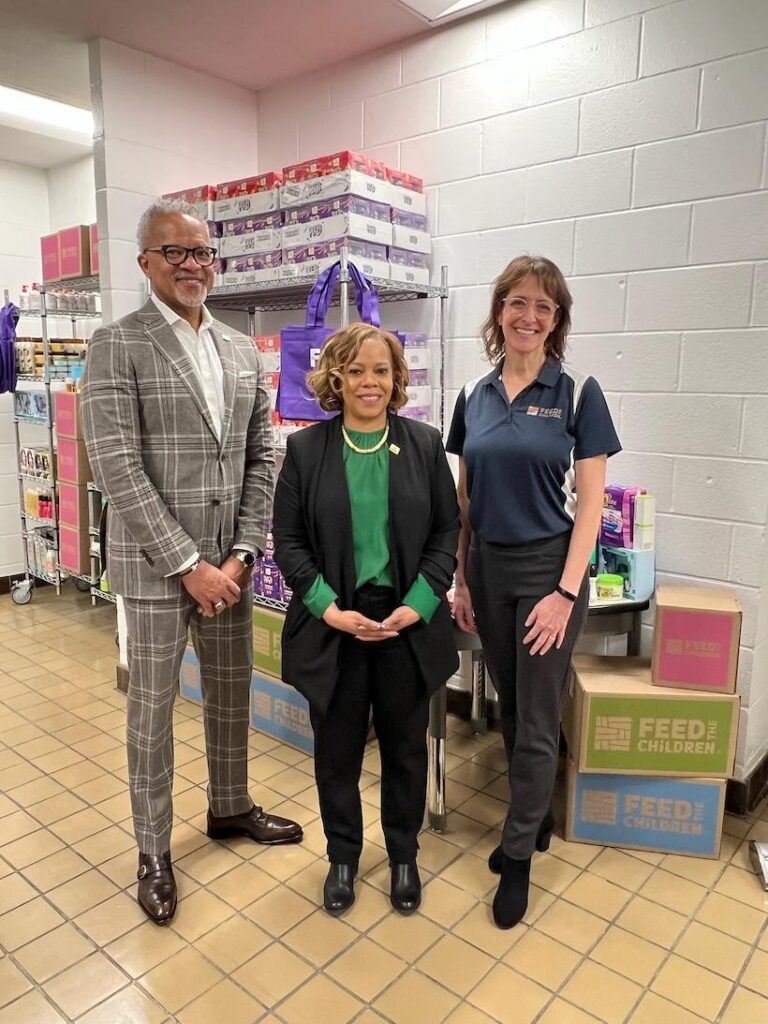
{"x": 434, "y": 11}
{"x": 45, "y": 117}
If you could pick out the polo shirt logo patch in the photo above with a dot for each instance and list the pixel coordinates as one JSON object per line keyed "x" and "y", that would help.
{"x": 551, "y": 414}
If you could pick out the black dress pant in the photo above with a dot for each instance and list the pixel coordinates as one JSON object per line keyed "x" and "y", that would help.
{"x": 505, "y": 583}
{"x": 381, "y": 675}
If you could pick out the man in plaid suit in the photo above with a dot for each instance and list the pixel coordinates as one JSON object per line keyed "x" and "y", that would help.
{"x": 177, "y": 424}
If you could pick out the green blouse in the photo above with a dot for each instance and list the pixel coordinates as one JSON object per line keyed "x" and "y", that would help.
{"x": 368, "y": 486}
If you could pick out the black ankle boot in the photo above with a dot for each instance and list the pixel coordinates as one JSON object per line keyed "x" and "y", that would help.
{"x": 339, "y": 888}
{"x": 511, "y": 900}
{"x": 543, "y": 837}
{"x": 405, "y": 892}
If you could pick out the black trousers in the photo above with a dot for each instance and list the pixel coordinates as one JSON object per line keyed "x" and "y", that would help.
{"x": 505, "y": 583}
{"x": 382, "y": 675}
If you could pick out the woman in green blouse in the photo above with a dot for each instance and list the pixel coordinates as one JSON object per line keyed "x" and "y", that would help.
{"x": 366, "y": 526}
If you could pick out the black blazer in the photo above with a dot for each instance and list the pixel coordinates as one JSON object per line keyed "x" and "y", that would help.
{"x": 313, "y": 533}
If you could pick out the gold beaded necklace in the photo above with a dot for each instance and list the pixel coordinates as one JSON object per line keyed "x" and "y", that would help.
{"x": 364, "y": 451}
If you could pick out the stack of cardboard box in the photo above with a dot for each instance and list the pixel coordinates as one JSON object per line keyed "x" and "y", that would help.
{"x": 70, "y": 253}
{"x": 652, "y": 743}
{"x": 74, "y": 473}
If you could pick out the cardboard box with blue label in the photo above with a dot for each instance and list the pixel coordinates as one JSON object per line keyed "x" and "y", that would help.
{"x": 275, "y": 708}
{"x": 615, "y": 720}
{"x": 189, "y": 677}
{"x": 280, "y": 711}
{"x": 639, "y": 812}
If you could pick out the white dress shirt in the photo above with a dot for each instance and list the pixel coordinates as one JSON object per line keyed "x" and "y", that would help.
{"x": 201, "y": 349}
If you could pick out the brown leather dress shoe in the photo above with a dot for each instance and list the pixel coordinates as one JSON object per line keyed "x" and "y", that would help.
{"x": 257, "y": 825}
{"x": 157, "y": 887}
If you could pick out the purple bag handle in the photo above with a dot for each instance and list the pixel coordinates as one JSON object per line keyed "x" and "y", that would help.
{"x": 366, "y": 299}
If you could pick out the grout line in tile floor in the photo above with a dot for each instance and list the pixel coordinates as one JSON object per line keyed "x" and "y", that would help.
{"x": 83, "y": 697}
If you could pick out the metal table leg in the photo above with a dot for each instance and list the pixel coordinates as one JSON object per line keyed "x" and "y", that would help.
{"x": 436, "y": 809}
{"x": 478, "y": 710}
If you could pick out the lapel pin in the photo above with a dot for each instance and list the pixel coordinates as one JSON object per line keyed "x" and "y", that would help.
{"x": 394, "y": 449}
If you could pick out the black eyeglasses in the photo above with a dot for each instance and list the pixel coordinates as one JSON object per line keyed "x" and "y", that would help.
{"x": 203, "y": 255}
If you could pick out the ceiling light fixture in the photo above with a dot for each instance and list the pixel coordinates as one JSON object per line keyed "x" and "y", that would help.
{"x": 434, "y": 11}
{"x": 43, "y": 116}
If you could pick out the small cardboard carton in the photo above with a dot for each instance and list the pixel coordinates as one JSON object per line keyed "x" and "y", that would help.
{"x": 51, "y": 260}
{"x": 646, "y": 812}
{"x": 696, "y": 638}
{"x": 66, "y": 405}
{"x": 73, "y": 506}
{"x": 72, "y": 461}
{"x": 75, "y": 550}
{"x": 267, "y": 636}
{"x": 616, "y": 721}
{"x": 75, "y": 251}
{"x": 93, "y": 233}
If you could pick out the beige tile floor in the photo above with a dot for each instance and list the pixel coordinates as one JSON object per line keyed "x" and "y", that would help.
{"x": 610, "y": 936}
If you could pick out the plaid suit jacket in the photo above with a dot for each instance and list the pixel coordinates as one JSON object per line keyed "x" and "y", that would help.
{"x": 173, "y": 487}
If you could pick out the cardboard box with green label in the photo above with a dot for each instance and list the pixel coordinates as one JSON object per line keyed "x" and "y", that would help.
{"x": 267, "y": 638}
{"x": 615, "y": 720}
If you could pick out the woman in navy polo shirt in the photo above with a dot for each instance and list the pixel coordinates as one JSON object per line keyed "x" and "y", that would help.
{"x": 531, "y": 435}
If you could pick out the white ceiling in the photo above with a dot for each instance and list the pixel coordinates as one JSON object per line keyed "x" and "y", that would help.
{"x": 34, "y": 150}
{"x": 253, "y": 43}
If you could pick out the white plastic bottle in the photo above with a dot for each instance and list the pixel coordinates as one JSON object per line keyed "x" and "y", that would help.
{"x": 34, "y": 298}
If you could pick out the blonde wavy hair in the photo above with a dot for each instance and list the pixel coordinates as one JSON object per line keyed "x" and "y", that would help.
{"x": 341, "y": 349}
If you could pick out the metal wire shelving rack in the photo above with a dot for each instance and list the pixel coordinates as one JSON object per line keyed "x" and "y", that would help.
{"x": 23, "y": 589}
{"x": 292, "y": 295}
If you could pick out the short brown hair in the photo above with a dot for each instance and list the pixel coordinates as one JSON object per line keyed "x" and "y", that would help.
{"x": 551, "y": 280}
{"x": 340, "y": 350}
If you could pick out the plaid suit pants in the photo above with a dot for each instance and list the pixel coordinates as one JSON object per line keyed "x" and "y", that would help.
{"x": 157, "y": 636}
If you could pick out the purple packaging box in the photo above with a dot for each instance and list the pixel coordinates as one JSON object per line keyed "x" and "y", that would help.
{"x": 418, "y": 376}
{"x": 248, "y": 225}
{"x": 412, "y": 339}
{"x": 256, "y": 261}
{"x": 322, "y": 250}
{"x": 417, "y": 412}
{"x": 332, "y": 207}
{"x": 408, "y": 219}
{"x": 214, "y": 228}
{"x": 617, "y": 520}
{"x": 406, "y": 258}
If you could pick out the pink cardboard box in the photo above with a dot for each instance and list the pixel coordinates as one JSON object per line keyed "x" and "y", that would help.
{"x": 49, "y": 254}
{"x": 73, "y": 506}
{"x": 72, "y": 459}
{"x": 696, "y": 639}
{"x": 94, "y": 240}
{"x": 75, "y": 251}
{"x": 66, "y": 406}
{"x": 74, "y": 550}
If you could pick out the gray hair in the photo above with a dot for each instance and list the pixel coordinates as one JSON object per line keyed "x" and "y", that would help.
{"x": 162, "y": 208}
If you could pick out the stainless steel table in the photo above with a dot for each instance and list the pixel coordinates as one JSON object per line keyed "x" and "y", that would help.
{"x": 605, "y": 618}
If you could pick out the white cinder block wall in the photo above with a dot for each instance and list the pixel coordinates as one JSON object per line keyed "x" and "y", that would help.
{"x": 33, "y": 202}
{"x": 159, "y": 127}
{"x": 72, "y": 194}
{"x": 626, "y": 139}
{"x": 23, "y": 219}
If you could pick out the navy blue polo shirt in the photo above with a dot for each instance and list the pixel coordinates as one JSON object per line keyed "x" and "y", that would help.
{"x": 520, "y": 456}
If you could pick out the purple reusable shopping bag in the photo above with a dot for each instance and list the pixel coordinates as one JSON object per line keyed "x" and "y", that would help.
{"x": 300, "y": 345}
